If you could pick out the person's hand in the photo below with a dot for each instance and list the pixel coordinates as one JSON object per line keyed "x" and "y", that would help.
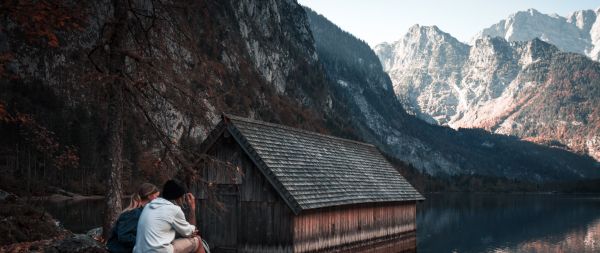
{"x": 191, "y": 200}
{"x": 196, "y": 233}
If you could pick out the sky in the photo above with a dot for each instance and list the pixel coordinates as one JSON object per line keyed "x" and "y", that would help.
{"x": 376, "y": 21}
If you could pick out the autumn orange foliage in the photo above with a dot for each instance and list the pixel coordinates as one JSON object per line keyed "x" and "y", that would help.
{"x": 39, "y": 21}
{"x": 42, "y": 19}
{"x": 41, "y": 138}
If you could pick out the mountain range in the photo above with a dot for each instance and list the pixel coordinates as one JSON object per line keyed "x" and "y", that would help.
{"x": 524, "y": 86}
{"x": 361, "y": 85}
{"x": 277, "y": 62}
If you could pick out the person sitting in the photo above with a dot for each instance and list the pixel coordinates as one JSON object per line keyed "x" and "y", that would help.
{"x": 122, "y": 237}
{"x": 163, "y": 218}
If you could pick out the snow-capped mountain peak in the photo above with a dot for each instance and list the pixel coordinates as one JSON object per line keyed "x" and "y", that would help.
{"x": 579, "y": 32}
{"x": 422, "y": 51}
{"x": 584, "y": 19}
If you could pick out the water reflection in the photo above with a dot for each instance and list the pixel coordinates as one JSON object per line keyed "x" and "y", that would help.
{"x": 508, "y": 223}
{"x": 584, "y": 240}
{"x": 459, "y": 223}
{"x": 80, "y": 216}
{"x": 406, "y": 244}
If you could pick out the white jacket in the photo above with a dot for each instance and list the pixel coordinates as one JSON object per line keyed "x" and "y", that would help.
{"x": 157, "y": 225}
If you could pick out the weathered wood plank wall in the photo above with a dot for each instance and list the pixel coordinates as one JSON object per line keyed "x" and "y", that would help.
{"x": 266, "y": 219}
{"x": 320, "y": 229}
{"x": 253, "y": 217}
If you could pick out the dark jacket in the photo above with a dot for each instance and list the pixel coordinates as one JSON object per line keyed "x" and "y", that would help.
{"x": 122, "y": 238}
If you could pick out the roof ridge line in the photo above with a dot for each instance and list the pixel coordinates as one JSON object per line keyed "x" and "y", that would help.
{"x": 295, "y": 129}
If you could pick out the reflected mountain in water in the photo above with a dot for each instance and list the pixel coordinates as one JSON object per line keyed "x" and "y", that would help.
{"x": 584, "y": 241}
{"x": 508, "y": 223}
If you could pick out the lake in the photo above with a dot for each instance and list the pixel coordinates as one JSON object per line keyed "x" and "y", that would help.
{"x": 77, "y": 216}
{"x": 509, "y": 223}
{"x": 460, "y": 222}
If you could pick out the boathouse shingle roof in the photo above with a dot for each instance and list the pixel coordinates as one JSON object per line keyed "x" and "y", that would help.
{"x": 311, "y": 170}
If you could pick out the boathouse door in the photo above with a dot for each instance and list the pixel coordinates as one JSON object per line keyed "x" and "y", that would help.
{"x": 223, "y": 224}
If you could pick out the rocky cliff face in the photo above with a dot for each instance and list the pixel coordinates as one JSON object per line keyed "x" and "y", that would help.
{"x": 363, "y": 93}
{"x": 424, "y": 50}
{"x": 491, "y": 83}
{"x": 248, "y": 58}
{"x": 577, "y": 33}
{"x": 553, "y": 100}
{"x": 274, "y": 32}
{"x": 240, "y": 46}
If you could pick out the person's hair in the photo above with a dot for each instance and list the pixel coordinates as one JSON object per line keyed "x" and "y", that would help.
{"x": 144, "y": 191}
{"x": 173, "y": 189}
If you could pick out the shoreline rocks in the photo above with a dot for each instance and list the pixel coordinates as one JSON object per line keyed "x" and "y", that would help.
{"x": 26, "y": 228}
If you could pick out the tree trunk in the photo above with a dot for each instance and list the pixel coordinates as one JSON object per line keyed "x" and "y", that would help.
{"x": 18, "y": 169}
{"x": 29, "y": 171}
{"x": 115, "y": 116}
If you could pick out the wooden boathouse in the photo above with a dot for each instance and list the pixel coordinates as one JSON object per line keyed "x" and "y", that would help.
{"x": 299, "y": 191}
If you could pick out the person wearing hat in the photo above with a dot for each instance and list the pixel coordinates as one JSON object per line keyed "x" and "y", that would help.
{"x": 163, "y": 218}
{"x": 122, "y": 238}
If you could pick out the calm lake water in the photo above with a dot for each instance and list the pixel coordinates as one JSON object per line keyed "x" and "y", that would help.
{"x": 509, "y": 223}
{"x": 460, "y": 222}
{"x": 77, "y": 216}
